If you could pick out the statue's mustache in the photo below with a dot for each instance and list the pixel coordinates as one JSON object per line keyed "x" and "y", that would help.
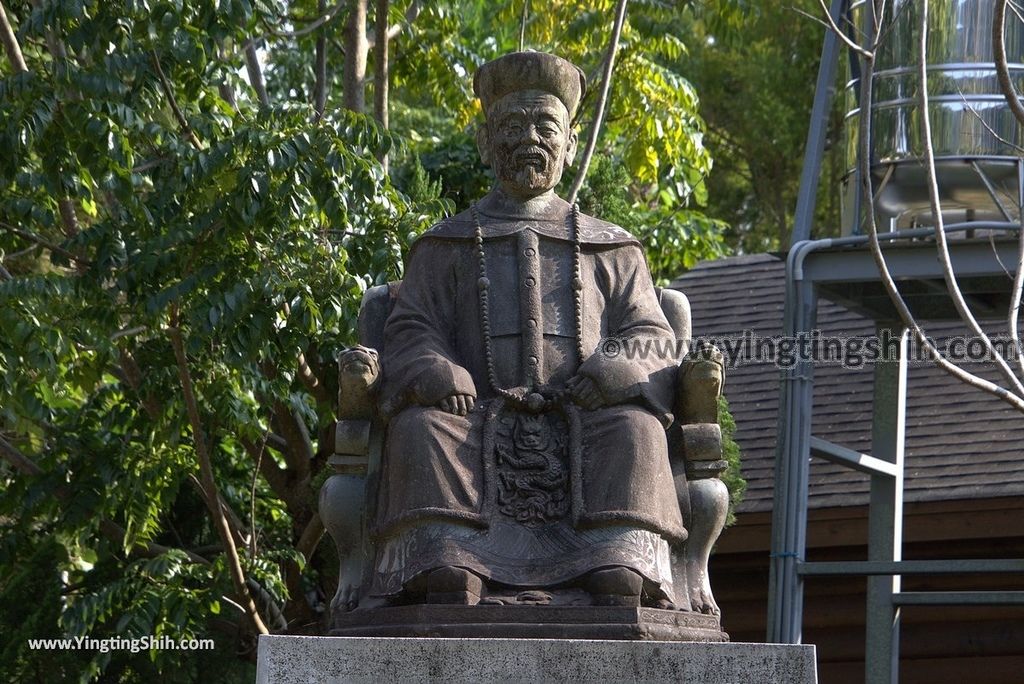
{"x": 530, "y": 154}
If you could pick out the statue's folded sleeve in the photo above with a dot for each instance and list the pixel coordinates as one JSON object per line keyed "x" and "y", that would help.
{"x": 634, "y": 362}
{"x": 419, "y": 363}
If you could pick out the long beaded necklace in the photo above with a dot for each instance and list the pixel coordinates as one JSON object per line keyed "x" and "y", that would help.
{"x": 531, "y": 398}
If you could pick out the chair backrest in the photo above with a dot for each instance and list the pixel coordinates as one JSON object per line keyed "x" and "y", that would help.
{"x": 378, "y": 301}
{"x": 373, "y": 313}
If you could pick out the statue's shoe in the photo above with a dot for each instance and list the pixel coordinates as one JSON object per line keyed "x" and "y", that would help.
{"x": 454, "y": 585}
{"x": 615, "y": 587}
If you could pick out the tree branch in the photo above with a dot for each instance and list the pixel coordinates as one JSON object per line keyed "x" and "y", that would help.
{"x": 867, "y": 200}
{"x": 57, "y": 249}
{"x": 411, "y": 13}
{"x": 299, "y": 452}
{"x": 252, "y": 66}
{"x": 10, "y": 42}
{"x": 1013, "y": 100}
{"x": 109, "y": 528}
{"x": 275, "y": 476}
{"x": 22, "y": 463}
{"x": 68, "y": 216}
{"x": 133, "y": 374}
{"x": 602, "y": 101}
{"x": 169, "y": 94}
{"x": 310, "y": 537}
{"x": 325, "y": 16}
{"x": 842, "y": 34}
{"x": 238, "y": 529}
{"x": 227, "y": 93}
{"x": 312, "y": 382}
{"x": 208, "y": 481}
{"x": 940, "y": 232}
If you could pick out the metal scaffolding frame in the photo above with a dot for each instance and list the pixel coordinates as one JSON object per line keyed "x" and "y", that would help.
{"x": 816, "y": 266}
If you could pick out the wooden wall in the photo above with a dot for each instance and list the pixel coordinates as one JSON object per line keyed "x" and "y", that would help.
{"x": 938, "y": 644}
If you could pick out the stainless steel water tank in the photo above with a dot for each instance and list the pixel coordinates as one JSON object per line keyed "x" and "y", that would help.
{"x": 968, "y": 113}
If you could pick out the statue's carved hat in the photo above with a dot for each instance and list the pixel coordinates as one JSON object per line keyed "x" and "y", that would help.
{"x": 519, "y": 71}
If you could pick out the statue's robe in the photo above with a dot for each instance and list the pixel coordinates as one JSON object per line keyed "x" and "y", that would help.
{"x": 437, "y": 483}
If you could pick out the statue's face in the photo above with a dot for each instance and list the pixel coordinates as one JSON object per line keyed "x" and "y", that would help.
{"x": 528, "y": 142}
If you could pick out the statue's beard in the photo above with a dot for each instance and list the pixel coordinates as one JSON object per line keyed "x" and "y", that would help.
{"x": 529, "y": 172}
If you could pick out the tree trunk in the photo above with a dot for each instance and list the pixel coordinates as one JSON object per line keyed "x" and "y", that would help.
{"x": 356, "y": 48}
{"x": 11, "y": 42}
{"x": 381, "y": 71}
{"x": 320, "y": 67}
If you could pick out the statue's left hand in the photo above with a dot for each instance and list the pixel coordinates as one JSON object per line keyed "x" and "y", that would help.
{"x": 585, "y": 392}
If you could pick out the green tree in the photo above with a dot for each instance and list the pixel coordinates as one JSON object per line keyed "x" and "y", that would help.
{"x": 193, "y": 197}
{"x": 755, "y": 66}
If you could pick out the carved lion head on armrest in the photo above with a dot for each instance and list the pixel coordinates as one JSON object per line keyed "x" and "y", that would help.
{"x": 358, "y": 373}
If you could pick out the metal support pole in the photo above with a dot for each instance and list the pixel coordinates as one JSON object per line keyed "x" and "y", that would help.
{"x": 789, "y": 513}
{"x": 814, "y": 150}
{"x": 885, "y": 514}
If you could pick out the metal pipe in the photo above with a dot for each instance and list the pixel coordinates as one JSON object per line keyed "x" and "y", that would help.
{"x": 814, "y": 149}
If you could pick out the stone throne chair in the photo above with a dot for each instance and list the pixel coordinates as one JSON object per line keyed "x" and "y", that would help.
{"x": 348, "y": 498}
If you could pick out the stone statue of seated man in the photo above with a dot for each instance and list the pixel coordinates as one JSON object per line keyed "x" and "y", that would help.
{"x": 525, "y": 458}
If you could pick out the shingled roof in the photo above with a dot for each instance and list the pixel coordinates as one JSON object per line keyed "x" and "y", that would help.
{"x": 961, "y": 443}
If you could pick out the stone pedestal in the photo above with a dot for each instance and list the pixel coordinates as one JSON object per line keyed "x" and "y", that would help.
{"x": 377, "y": 660}
{"x": 529, "y": 622}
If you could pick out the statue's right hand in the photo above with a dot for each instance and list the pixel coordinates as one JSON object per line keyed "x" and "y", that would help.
{"x": 459, "y": 404}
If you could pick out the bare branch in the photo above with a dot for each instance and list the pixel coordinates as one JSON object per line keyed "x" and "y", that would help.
{"x": 1002, "y": 68}
{"x": 10, "y": 42}
{"x": 808, "y": 15}
{"x": 867, "y": 198}
{"x": 842, "y": 34}
{"x": 252, "y": 66}
{"x": 985, "y": 124}
{"x": 208, "y": 481}
{"x": 1013, "y": 100}
{"x": 5, "y": 274}
{"x": 169, "y": 94}
{"x": 602, "y": 101}
{"x": 940, "y": 233}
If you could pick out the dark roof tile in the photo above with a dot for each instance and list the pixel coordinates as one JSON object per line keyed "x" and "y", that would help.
{"x": 981, "y": 457}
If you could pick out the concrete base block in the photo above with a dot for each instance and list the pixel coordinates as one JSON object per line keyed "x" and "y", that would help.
{"x": 376, "y": 660}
